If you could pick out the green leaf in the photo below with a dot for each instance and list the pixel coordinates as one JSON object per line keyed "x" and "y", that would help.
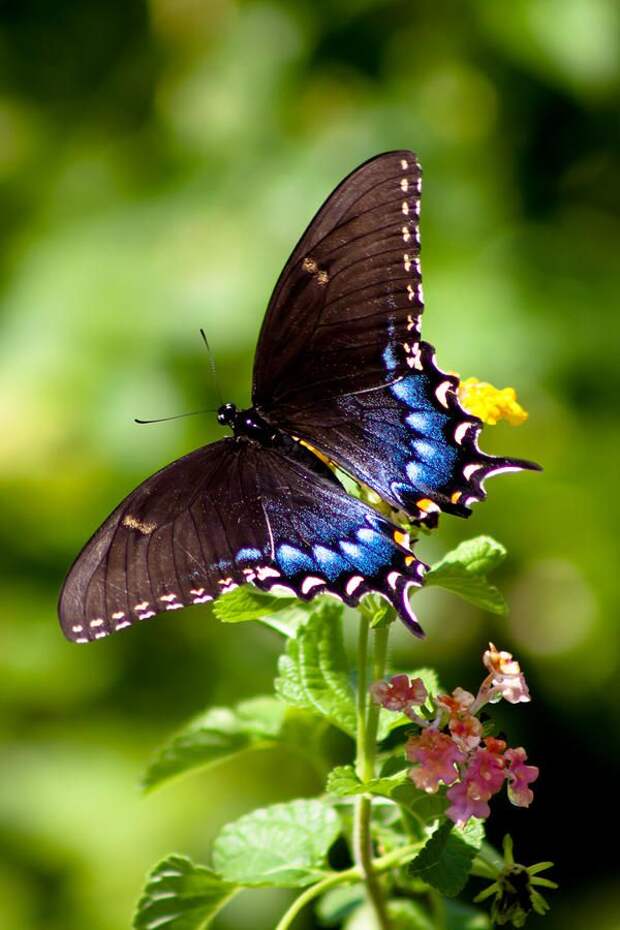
{"x": 181, "y": 896}
{"x": 424, "y": 807}
{"x": 284, "y": 614}
{"x": 344, "y": 782}
{"x": 314, "y": 673}
{"x": 215, "y": 736}
{"x": 463, "y": 571}
{"x": 463, "y": 917}
{"x": 408, "y": 915}
{"x": 283, "y": 846}
{"x": 377, "y": 611}
{"x": 221, "y": 733}
{"x": 337, "y": 903}
{"x": 446, "y": 859}
{"x": 403, "y": 914}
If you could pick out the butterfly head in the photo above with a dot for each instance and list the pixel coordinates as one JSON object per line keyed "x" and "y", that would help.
{"x": 227, "y": 414}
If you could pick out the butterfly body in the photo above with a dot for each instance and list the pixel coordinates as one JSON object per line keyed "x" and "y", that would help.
{"x": 247, "y": 423}
{"x": 340, "y": 369}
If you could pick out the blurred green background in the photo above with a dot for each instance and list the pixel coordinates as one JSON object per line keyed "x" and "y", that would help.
{"x": 158, "y": 161}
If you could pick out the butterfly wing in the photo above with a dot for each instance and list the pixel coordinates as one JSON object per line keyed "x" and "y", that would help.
{"x": 229, "y": 513}
{"x": 340, "y": 363}
{"x": 353, "y": 277}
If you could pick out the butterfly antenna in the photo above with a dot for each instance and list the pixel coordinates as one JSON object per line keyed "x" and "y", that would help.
{"x": 179, "y": 416}
{"x": 214, "y": 377}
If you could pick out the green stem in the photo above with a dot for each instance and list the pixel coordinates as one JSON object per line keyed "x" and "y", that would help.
{"x": 391, "y": 860}
{"x": 361, "y": 761}
{"x": 367, "y": 724}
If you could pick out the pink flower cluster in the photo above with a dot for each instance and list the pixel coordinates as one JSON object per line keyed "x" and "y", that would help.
{"x": 450, "y": 746}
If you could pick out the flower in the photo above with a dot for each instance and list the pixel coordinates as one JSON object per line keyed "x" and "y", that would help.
{"x": 459, "y": 702}
{"x": 450, "y": 746}
{"x": 485, "y": 772}
{"x": 437, "y": 756}
{"x": 400, "y": 693}
{"x": 465, "y": 729}
{"x": 514, "y": 890}
{"x": 519, "y": 776}
{"x": 466, "y": 732}
{"x": 489, "y": 403}
{"x": 465, "y": 803}
{"x": 483, "y": 778}
{"x": 505, "y": 678}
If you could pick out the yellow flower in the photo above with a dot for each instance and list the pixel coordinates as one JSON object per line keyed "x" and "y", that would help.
{"x": 491, "y": 404}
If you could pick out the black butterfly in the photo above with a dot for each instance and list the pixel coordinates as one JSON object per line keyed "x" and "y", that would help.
{"x": 339, "y": 366}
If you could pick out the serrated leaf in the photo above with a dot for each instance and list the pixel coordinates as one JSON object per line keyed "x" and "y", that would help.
{"x": 221, "y": 733}
{"x": 181, "y": 896}
{"x": 284, "y": 614}
{"x": 314, "y": 672}
{"x": 344, "y": 782}
{"x": 446, "y": 859}
{"x": 463, "y": 571}
{"x": 282, "y": 846}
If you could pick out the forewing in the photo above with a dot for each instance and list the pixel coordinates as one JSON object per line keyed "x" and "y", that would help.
{"x": 353, "y": 278}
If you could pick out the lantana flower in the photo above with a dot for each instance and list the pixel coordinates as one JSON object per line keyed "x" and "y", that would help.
{"x": 489, "y": 403}
{"x": 437, "y": 756}
{"x": 505, "y": 679}
{"x": 519, "y": 776}
{"x": 450, "y": 748}
{"x": 400, "y": 693}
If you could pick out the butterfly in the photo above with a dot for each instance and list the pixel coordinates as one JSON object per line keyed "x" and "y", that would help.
{"x": 340, "y": 370}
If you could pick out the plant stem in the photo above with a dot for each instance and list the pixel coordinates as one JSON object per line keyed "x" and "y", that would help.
{"x": 362, "y": 697}
{"x": 396, "y": 858}
{"x": 367, "y": 723}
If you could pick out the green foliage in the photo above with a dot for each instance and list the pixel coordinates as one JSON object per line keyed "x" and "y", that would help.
{"x": 463, "y": 917}
{"x": 343, "y": 782}
{"x": 446, "y": 859}
{"x": 246, "y": 602}
{"x": 282, "y": 846}
{"x": 314, "y": 671}
{"x": 181, "y": 896}
{"x": 421, "y": 805}
{"x": 409, "y": 915}
{"x": 464, "y": 572}
{"x": 403, "y": 915}
{"x": 338, "y": 903}
{"x": 221, "y": 733}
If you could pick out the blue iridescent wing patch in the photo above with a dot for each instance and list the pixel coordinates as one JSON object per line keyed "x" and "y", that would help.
{"x": 410, "y": 441}
{"x": 325, "y": 541}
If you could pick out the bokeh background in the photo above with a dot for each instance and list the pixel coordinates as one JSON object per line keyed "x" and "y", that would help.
{"x": 158, "y": 161}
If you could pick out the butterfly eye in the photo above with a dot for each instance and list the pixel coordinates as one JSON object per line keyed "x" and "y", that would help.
{"x": 226, "y": 414}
